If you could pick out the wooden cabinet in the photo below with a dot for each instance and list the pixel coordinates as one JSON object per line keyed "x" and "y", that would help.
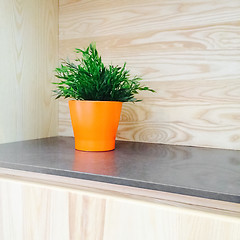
{"x": 39, "y": 211}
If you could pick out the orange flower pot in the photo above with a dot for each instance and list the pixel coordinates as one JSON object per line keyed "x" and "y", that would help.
{"x": 95, "y": 124}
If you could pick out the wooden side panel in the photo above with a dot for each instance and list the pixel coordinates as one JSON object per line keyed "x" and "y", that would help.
{"x": 29, "y": 53}
{"x": 33, "y": 211}
{"x": 188, "y": 51}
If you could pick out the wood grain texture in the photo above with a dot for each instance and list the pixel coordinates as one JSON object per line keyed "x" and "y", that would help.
{"x": 138, "y": 220}
{"x": 188, "y": 51}
{"x": 29, "y": 53}
{"x": 49, "y": 212}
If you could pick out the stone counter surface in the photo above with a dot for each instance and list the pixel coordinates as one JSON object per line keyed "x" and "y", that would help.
{"x": 192, "y": 171}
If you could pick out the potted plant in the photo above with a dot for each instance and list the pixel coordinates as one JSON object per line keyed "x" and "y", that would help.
{"x": 97, "y": 93}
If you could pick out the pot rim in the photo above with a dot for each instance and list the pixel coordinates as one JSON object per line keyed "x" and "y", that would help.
{"x": 93, "y": 101}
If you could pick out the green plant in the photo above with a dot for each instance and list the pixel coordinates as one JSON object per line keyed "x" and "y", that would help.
{"x": 91, "y": 80}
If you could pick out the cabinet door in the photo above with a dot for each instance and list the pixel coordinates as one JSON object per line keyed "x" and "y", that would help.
{"x": 32, "y": 211}
{"x": 130, "y": 219}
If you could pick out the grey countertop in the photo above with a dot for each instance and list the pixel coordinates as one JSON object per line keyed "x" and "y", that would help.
{"x": 201, "y": 172}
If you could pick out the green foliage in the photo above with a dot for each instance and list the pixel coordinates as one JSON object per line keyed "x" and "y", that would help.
{"x": 91, "y": 80}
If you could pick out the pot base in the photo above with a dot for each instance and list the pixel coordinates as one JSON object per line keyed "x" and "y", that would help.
{"x": 93, "y": 146}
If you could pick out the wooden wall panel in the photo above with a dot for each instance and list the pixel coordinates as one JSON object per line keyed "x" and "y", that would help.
{"x": 188, "y": 51}
{"x": 34, "y": 211}
{"x": 29, "y": 53}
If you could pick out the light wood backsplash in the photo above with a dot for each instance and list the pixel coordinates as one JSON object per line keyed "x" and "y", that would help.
{"x": 29, "y": 53}
{"x": 189, "y": 51}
